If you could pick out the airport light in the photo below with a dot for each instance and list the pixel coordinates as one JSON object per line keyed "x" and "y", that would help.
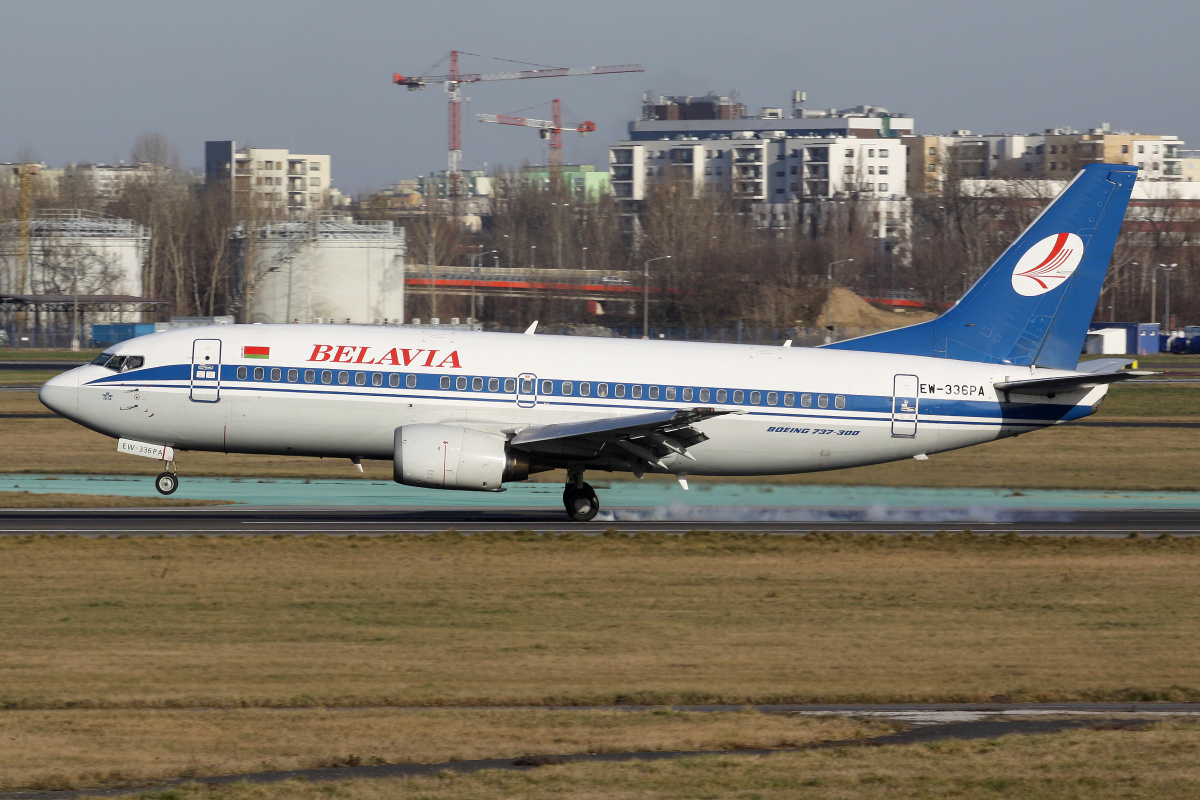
{"x": 508, "y": 245}
{"x": 532, "y": 255}
{"x": 585, "y": 258}
{"x": 646, "y": 296}
{"x": 1154, "y": 289}
{"x": 829, "y": 297}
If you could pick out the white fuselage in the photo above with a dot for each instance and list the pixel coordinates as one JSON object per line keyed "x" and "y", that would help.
{"x": 327, "y": 390}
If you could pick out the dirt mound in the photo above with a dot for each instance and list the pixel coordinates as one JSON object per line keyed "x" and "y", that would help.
{"x": 842, "y": 308}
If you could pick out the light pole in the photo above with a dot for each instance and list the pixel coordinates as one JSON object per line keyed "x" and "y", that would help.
{"x": 508, "y": 246}
{"x": 585, "y": 258}
{"x": 646, "y": 296}
{"x": 1112, "y": 288}
{"x": 558, "y": 228}
{"x": 829, "y": 297}
{"x": 1154, "y": 288}
{"x": 532, "y": 255}
{"x": 474, "y": 262}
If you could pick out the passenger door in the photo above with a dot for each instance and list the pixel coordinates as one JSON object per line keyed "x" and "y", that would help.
{"x": 904, "y": 406}
{"x": 206, "y": 371}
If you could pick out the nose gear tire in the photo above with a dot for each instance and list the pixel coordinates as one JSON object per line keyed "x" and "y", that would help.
{"x": 166, "y": 483}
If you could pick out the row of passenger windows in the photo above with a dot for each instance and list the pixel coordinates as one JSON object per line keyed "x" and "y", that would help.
{"x": 327, "y": 376}
{"x": 549, "y": 388}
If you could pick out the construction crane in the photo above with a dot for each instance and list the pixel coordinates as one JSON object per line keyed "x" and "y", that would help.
{"x": 551, "y": 129}
{"x": 455, "y": 79}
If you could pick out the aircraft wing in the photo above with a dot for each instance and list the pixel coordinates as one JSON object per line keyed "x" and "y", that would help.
{"x": 648, "y": 437}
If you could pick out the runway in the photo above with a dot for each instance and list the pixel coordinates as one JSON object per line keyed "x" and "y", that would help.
{"x": 243, "y": 520}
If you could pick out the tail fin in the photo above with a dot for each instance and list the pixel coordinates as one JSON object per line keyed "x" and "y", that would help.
{"x": 1033, "y": 306}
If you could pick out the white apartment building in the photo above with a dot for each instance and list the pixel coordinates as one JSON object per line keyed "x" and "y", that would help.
{"x": 277, "y": 179}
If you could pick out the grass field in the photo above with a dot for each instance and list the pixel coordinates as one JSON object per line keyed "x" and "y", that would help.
{"x": 1148, "y": 458}
{"x": 522, "y": 619}
{"x": 58, "y": 750}
{"x": 1160, "y": 763}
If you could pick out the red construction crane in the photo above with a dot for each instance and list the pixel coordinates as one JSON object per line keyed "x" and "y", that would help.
{"x": 454, "y": 79}
{"x": 551, "y": 129}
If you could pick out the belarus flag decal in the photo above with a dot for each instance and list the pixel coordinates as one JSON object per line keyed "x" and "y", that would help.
{"x": 256, "y": 352}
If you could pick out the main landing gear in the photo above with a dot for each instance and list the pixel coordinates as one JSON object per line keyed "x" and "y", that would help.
{"x": 168, "y": 480}
{"x": 579, "y": 498}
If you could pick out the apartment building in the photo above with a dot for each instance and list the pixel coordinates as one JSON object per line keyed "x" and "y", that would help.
{"x": 290, "y": 184}
{"x": 1054, "y": 154}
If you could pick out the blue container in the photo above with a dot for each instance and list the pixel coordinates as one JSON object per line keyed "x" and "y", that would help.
{"x": 111, "y": 333}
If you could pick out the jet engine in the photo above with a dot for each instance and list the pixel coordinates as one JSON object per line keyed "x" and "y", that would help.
{"x": 450, "y": 457}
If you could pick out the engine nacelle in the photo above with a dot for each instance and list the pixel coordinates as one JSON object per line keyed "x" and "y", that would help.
{"x": 450, "y": 457}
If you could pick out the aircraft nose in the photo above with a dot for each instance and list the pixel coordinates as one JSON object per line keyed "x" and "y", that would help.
{"x": 60, "y": 394}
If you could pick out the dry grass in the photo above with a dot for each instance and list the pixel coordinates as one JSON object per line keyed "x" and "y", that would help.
{"x": 59, "y": 500}
{"x": 1161, "y": 763}
{"x": 523, "y": 619}
{"x": 70, "y": 749}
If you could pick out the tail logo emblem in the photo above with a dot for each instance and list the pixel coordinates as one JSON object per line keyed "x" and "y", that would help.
{"x": 1047, "y": 264}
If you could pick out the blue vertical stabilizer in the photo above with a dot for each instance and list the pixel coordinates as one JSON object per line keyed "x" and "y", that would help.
{"x": 1033, "y": 305}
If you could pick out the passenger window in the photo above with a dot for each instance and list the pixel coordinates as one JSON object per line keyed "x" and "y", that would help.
{"x": 568, "y": 387}
{"x": 602, "y": 390}
{"x": 755, "y": 398}
{"x": 476, "y": 384}
{"x": 789, "y": 399}
{"x": 310, "y": 376}
{"x": 772, "y": 398}
{"x": 722, "y": 395}
{"x": 259, "y": 373}
{"x": 806, "y": 400}
{"x": 585, "y": 389}
{"x": 444, "y": 382}
{"x": 839, "y": 402}
{"x": 326, "y": 376}
{"x": 653, "y": 392}
{"x": 670, "y": 393}
{"x": 394, "y": 380}
{"x": 360, "y": 379}
{"x": 493, "y": 384}
{"x": 377, "y": 379}
{"x": 823, "y": 401}
{"x": 704, "y": 395}
{"x": 637, "y": 392}
{"x": 547, "y": 387}
{"x": 410, "y": 380}
{"x": 293, "y": 375}
{"x": 739, "y": 396}
{"x": 343, "y": 378}
{"x": 526, "y": 386}
{"x": 619, "y": 390}
{"x": 242, "y": 372}
{"x": 276, "y": 373}
{"x": 510, "y": 385}
{"x": 687, "y": 394}
{"x": 460, "y": 383}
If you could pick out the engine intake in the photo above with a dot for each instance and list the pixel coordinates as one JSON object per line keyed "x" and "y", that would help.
{"x": 450, "y": 457}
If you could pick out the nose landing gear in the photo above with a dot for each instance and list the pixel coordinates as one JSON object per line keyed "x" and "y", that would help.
{"x": 167, "y": 481}
{"x": 579, "y": 498}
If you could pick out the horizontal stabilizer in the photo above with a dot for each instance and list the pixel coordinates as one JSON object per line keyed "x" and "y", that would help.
{"x": 1049, "y": 387}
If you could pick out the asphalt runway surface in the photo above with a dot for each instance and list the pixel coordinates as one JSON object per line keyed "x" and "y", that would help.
{"x": 267, "y": 521}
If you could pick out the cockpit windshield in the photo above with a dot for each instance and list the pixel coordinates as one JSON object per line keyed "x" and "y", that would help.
{"x": 119, "y": 363}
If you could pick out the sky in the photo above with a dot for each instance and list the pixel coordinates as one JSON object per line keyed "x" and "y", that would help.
{"x": 83, "y": 78}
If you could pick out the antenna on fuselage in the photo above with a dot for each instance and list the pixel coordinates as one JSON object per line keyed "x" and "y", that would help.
{"x": 531, "y": 329}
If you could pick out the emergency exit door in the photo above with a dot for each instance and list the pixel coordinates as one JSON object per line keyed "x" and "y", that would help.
{"x": 904, "y": 406}
{"x": 206, "y": 370}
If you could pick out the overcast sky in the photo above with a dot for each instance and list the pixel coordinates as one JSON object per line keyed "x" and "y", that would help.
{"x": 82, "y": 79}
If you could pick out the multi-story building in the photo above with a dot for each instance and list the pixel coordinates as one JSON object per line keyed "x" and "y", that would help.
{"x": 783, "y": 168}
{"x": 279, "y": 181}
{"x": 1054, "y": 154}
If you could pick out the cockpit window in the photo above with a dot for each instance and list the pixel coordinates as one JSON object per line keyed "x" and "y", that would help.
{"x": 119, "y": 363}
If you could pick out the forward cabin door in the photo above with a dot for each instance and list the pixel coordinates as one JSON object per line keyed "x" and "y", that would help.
{"x": 206, "y": 370}
{"x": 904, "y": 406}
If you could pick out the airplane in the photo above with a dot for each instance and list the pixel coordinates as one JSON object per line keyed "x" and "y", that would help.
{"x": 474, "y": 410}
